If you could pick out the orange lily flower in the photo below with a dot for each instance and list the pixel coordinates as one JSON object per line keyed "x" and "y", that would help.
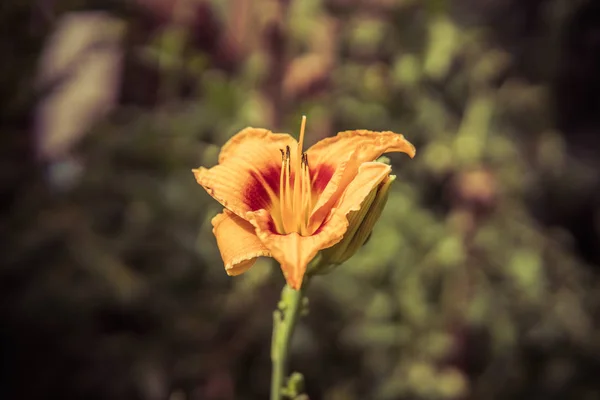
{"x": 288, "y": 204}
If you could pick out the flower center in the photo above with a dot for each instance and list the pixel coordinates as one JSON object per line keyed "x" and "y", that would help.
{"x": 295, "y": 191}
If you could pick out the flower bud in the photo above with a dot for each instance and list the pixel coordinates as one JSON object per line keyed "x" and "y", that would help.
{"x": 360, "y": 226}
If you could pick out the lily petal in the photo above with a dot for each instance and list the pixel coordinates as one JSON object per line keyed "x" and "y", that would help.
{"x": 344, "y": 154}
{"x": 370, "y": 174}
{"x": 247, "y": 176}
{"x": 368, "y": 144}
{"x": 343, "y": 175}
{"x": 293, "y": 251}
{"x": 238, "y": 243}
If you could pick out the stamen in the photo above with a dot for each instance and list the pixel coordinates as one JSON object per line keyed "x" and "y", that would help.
{"x": 302, "y": 216}
{"x": 282, "y": 205}
{"x": 297, "y": 204}
{"x": 306, "y": 192}
{"x": 289, "y": 200}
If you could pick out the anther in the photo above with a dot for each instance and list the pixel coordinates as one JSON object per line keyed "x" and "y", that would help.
{"x": 305, "y": 160}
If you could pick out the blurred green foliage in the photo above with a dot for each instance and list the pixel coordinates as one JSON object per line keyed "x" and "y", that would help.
{"x": 460, "y": 292}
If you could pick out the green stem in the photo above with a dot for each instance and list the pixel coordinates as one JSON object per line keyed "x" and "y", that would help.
{"x": 284, "y": 322}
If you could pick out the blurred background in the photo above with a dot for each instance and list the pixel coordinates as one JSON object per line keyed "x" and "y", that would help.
{"x": 481, "y": 280}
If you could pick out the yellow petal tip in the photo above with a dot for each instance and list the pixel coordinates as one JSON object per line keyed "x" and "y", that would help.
{"x": 413, "y": 151}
